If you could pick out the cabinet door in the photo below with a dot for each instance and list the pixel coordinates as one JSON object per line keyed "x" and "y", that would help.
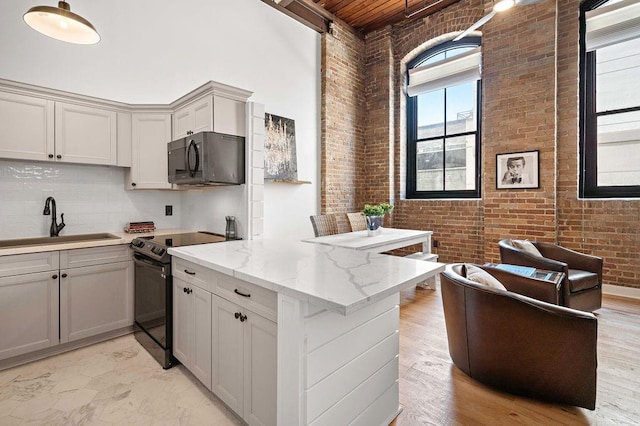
{"x": 194, "y": 117}
{"x": 200, "y": 364}
{"x": 28, "y": 313}
{"x": 181, "y": 321}
{"x": 95, "y": 299}
{"x": 151, "y": 134}
{"x": 260, "y": 370}
{"x": 85, "y": 134}
{"x": 227, "y": 353}
{"x": 26, "y": 127}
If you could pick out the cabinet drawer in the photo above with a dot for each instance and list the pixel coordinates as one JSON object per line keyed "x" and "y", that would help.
{"x": 94, "y": 256}
{"x": 193, "y": 274}
{"x": 257, "y": 299}
{"x": 19, "y": 264}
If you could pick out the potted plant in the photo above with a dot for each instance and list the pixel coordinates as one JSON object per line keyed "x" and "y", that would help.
{"x": 374, "y": 213}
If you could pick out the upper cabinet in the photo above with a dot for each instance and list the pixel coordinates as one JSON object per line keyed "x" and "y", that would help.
{"x": 26, "y": 127}
{"x": 47, "y": 125}
{"x": 85, "y": 135}
{"x": 211, "y": 107}
{"x": 42, "y": 124}
{"x": 193, "y": 118}
{"x": 150, "y": 134}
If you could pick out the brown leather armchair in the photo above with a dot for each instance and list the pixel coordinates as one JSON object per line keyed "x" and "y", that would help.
{"x": 517, "y": 343}
{"x": 582, "y": 285}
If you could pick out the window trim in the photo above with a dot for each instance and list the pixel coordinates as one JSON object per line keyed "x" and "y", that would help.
{"x": 412, "y": 140}
{"x": 588, "y": 123}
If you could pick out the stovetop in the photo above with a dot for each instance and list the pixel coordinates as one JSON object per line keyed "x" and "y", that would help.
{"x": 156, "y": 246}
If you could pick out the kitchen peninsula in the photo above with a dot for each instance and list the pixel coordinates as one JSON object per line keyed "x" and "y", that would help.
{"x": 307, "y": 328}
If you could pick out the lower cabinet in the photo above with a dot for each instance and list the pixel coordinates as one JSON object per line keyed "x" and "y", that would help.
{"x": 28, "y": 313}
{"x": 244, "y": 346}
{"x": 55, "y": 297}
{"x": 192, "y": 329}
{"x": 95, "y": 299}
{"x": 224, "y": 342}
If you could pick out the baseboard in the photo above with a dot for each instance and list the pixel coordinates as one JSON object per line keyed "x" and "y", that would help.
{"x": 61, "y": 348}
{"x": 617, "y": 290}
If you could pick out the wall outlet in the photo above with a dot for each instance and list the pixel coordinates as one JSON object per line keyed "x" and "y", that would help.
{"x": 436, "y": 243}
{"x": 168, "y": 210}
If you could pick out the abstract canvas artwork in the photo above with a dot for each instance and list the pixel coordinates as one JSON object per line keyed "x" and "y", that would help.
{"x": 280, "y": 148}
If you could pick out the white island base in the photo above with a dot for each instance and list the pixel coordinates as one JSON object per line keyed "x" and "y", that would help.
{"x": 316, "y": 328}
{"x": 335, "y": 369}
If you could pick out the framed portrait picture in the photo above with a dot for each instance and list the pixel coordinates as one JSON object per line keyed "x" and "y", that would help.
{"x": 518, "y": 170}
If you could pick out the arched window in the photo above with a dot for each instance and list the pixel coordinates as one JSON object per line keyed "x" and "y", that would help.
{"x": 610, "y": 99}
{"x": 443, "y": 121}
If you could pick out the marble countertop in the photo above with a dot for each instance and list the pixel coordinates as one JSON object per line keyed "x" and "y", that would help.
{"x": 339, "y": 279}
{"x": 122, "y": 238}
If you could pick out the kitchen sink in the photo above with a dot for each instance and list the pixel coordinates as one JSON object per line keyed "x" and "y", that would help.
{"x": 38, "y": 241}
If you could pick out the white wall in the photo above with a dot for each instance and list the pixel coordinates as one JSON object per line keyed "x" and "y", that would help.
{"x": 154, "y": 51}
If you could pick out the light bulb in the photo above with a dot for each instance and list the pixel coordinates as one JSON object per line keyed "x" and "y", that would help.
{"x": 502, "y": 5}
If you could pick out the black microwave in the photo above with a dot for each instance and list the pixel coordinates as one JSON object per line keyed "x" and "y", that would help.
{"x": 207, "y": 158}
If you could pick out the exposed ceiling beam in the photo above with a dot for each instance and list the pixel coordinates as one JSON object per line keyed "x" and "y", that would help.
{"x": 305, "y": 12}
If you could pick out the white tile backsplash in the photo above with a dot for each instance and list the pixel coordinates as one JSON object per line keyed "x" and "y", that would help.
{"x": 92, "y": 198}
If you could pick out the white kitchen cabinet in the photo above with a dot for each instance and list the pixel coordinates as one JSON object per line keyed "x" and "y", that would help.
{"x": 229, "y": 116}
{"x": 26, "y": 127}
{"x": 244, "y": 361}
{"x": 95, "y": 299}
{"x": 150, "y": 134}
{"x": 86, "y": 135}
{"x": 193, "y": 118}
{"x": 192, "y": 328}
{"x": 28, "y": 312}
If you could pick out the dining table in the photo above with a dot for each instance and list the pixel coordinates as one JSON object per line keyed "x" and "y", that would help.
{"x": 383, "y": 240}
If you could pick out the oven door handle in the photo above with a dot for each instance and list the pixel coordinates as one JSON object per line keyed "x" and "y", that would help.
{"x": 138, "y": 258}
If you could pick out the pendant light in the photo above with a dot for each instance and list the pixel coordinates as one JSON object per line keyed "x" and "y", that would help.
{"x": 62, "y": 24}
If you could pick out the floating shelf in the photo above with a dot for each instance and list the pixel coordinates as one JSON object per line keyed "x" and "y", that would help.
{"x": 291, "y": 181}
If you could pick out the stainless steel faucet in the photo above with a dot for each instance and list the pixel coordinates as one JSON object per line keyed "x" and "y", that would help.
{"x": 55, "y": 227}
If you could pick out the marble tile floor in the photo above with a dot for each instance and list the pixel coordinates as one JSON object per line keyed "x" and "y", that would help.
{"x": 111, "y": 383}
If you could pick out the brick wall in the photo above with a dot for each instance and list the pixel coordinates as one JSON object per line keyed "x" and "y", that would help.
{"x": 530, "y": 102}
{"x": 342, "y": 120}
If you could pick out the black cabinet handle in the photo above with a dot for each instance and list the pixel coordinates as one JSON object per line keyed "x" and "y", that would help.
{"x": 241, "y": 293}
{"x": 64, "y": 275}
{"x": 243, "y": 318}
{"x": 54, "y": 276}
{"x": 189, "y": 272}
{"x": 50, "y": 155}
{"x": 58, "y": 156}
{"x": 184, "y": 289}
{"x": 133, "y": 184}
{"x": 237, "y": 315}
{"x": 189, "y": 291}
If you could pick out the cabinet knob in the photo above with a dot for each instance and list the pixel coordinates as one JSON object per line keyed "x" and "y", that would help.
{"x": 58, "y": 156}
{"x": 50, "y": 155}
{"x": 184, "y": 289}
{"x": 237, "y": 315}
{"x": 133, "y": 184}
{"x": 54, "y": 276}
{"x": 64, "y": 275}
{"x": 243, "y": 318}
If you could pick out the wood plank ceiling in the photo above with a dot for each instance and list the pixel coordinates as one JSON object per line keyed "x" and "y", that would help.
{"x": 370, "y": 15}
{"x": 363, "y": 15}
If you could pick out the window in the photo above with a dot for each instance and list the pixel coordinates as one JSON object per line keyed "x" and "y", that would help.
{"x": 443, "y": 121}
{"x": 610, "y": 99}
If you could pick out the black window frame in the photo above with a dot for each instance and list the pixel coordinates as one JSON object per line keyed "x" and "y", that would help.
{"x": 588, "y": 122}
{"x": 412, "y": 130}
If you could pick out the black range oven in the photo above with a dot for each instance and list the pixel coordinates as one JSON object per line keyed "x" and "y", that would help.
{"x": 153, "y": 290}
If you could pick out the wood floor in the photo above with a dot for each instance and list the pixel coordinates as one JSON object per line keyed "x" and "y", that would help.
{"x": 435, "y": 392}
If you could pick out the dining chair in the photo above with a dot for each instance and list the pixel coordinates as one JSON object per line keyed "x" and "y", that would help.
{"x": 357, "y": 221}
{"x": 324, "y": 224}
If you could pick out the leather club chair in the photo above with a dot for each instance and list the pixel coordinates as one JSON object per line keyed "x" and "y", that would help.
{"x": 517, "y": 343}
{"x": 582, "y": 285}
